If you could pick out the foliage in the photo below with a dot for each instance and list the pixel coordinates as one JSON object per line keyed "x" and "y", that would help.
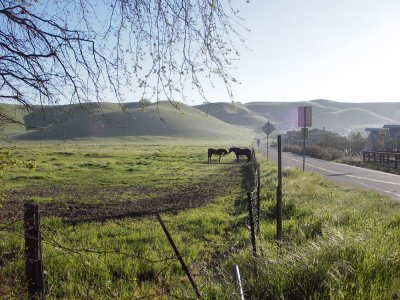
{"x": 332, "y": 140}
{"x": 6, "y": 161}
{"x": 315, "y": 151}
{"x": 357, "y": 143}
{"x": 332, "y": 147}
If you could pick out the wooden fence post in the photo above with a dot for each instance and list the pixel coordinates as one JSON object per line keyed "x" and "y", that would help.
{"x": 178, "y": 255}
{"x": 33, "y": 252}
{"x": 251, "y": 221}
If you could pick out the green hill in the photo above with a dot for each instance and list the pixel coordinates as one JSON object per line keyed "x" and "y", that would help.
{"x": 15, "y": 112}
{"x": 110, "y": 121}
{"x": 59, "y": 114}
{"x": 179, "y": 120}
{"x": 235, "y": 114}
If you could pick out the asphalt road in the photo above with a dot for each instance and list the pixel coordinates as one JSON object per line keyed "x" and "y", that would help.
{"x": 386, "y": 183}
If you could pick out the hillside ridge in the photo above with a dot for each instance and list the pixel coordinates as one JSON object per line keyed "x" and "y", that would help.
{"x": 107, "y": 119}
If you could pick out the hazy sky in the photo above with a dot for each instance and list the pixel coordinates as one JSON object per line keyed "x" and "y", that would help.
{"x": 343, "y": 50}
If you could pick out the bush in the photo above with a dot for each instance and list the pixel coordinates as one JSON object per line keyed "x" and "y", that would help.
{"x": 316, "y": 151}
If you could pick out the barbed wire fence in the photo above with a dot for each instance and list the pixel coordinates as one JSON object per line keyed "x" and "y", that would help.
{"x": 253, "y": 200}
{"x": 35, "y": 235}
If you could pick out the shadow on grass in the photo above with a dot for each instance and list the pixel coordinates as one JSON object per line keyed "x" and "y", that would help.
{"x": 246, "y": 174}
{"x": 213, "y": 163}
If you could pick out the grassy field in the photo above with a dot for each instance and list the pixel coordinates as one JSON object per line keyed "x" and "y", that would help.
{"x": 339, "y": 242}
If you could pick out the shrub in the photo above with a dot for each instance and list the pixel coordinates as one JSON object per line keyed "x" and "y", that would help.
{"x": 315, "y": 151}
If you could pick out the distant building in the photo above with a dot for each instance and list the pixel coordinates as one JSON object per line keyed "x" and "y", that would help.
{"x": 394, "y": 130}
{"x": 386, "y": 138}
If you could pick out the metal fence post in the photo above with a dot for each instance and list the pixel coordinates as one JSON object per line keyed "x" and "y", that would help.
{"x": 237, "y": 281}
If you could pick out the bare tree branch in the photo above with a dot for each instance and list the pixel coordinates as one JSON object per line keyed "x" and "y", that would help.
{"x": 57, "y": 52}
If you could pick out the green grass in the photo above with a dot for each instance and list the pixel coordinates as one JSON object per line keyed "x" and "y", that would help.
{"x": 338, "y": 242}
{"x": 119, "y": 165}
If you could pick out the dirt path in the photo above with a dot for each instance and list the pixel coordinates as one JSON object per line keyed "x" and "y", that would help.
{"x": 106, "y": 202}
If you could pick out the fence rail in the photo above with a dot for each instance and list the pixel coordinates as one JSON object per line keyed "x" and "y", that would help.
{"x": 390, "y": 159}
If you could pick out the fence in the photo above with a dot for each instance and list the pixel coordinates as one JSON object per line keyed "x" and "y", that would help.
{"x": 253, "y": 200}
{"x": 390, "y": 159}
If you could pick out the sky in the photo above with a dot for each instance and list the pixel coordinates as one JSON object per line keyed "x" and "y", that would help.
{"x": 299, "y": 50}
{"x": 341, "y": 50}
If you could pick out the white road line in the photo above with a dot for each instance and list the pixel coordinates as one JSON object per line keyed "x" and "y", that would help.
{"x": 352, "y": 176}
{"x": 389, "y": 192}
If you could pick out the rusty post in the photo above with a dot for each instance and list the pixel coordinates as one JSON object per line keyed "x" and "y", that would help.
{"x": 251, "y": 223}
{"x": 33, "y": 252}
{"x": 178, "y": 256}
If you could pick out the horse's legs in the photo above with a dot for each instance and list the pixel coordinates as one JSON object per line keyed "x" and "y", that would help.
{"x": 237, "y": 157}
{"x": 209, "y": 157}
{"x": 219, "y": 159}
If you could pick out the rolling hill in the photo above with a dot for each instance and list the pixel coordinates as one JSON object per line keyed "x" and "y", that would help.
{"x": 335, "y": 116}
{"x": 206, "y": 120}
{"x": 235, "y": 114}
{"x": 15, "y": 112}
{"x": 109, "y": 120}
{"x": 354, "y": 118}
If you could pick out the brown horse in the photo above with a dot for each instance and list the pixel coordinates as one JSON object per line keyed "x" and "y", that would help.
{"x": 220, "y": 152}
{"x": 241, "y": 151}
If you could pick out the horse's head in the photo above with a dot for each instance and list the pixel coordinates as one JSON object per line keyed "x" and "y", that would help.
{"x": 230, "y": 150}
{"x": 224, "y": 153}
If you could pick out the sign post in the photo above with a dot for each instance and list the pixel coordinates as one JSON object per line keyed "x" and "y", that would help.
{"x": 304, "y": 121}
{"x": 279, "y": 196}
{"x": 268, "y": 128}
